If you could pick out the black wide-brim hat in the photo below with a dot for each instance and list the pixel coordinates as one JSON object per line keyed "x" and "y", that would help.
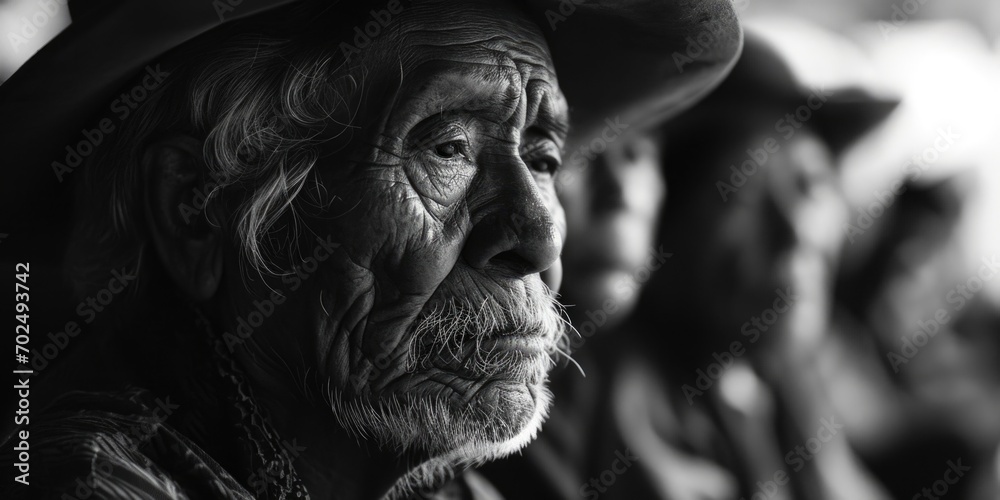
{"x": 639, "y": 60}
{"x": 763, "y": 78}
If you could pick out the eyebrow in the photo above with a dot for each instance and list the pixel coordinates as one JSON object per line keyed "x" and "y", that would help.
{"x": 547, "y": 116}
{"x": 471, "y": 91}
{"x": 550, "y": 121}
{"x": 483, "y": 87}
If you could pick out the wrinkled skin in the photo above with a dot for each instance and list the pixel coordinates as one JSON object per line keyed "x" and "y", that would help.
{"x": 447, "y": 194}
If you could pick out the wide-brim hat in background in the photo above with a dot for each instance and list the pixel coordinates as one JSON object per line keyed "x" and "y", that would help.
{"x": 788, "y": 63}
{"x": 639, "y": 60}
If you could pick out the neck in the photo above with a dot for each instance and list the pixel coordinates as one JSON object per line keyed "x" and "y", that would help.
{"x": 330, "y": 462}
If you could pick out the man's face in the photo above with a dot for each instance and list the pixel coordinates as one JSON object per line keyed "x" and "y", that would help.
{"x": 612, "y": 207}
{"x": 937, "y": 310}
{"x": 432, "y": 308}
{"x": 784, "y": 209}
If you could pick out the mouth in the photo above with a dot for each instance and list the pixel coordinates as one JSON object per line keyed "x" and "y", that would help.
{"x": 522, "y": 343}
{"x": 513, "y": 355}
{"x": 514, "y": 340}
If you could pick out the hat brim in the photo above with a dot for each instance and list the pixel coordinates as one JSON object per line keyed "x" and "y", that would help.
{"x": 631, "y": 60}
{"x": 641, "y": 62}
{"x": 761, "y": 79}
{"x": 851, "y": 115}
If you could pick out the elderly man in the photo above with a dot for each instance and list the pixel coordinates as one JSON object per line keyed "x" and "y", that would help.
{"x": 331, "y": 234}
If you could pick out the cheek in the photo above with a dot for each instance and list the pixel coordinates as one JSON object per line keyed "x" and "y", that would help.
{"x": 394, "y": 253}
{"x": 407, "y": 240}
{"x": 656, "y": 187}
{"x": 441, "y": 185}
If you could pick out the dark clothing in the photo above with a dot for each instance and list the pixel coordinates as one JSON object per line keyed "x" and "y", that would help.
{"x": 201, "y": 436}
{"x": 193, "y": 431}
{"x": 628, "y": 431}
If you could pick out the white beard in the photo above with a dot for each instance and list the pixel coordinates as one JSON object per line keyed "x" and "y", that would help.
{"x": 458, "y": 438}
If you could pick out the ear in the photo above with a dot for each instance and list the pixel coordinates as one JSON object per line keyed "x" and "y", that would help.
{"x": 184, "y": 228}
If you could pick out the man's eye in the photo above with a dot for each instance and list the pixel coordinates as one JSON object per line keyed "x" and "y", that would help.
{"x": 543, "y": 157}
{"x": 544, "y": 165}
{"x": 448, "y": 150}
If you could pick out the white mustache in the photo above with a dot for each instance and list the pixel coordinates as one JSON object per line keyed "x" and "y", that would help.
{"x": 450, "y": 328}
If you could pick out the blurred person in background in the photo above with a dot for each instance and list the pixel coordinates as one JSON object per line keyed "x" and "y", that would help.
{"x": 912, "y": 365}
{"x": 630, "y": 429}
{"x": 915, "y": 364}
{"x": 613, "y": 191}
{"x": 613, "y": 207}
{"x": 739, "y": 314}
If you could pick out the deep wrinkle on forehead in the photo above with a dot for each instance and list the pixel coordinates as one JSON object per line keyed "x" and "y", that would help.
{"x": 489, "y": 62}
{"x": 515, "y": 90}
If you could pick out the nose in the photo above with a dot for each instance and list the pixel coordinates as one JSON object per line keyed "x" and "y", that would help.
{"x": 780, "y": 228}
{"x": 519, "y": 232}
{"x": 628, "y": 176}
{"x": 609, "y": 183}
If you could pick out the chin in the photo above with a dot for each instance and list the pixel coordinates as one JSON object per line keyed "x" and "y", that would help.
{"x": 518, "y": 411}
{"x": 457, "y": 412}
{"x": 505, "y": 408}
{"x": 498, "y": 407}
{"x": 461, "y": 438}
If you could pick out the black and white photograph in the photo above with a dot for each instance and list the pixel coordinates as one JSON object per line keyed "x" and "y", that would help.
{"x": 501, "y": 249}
